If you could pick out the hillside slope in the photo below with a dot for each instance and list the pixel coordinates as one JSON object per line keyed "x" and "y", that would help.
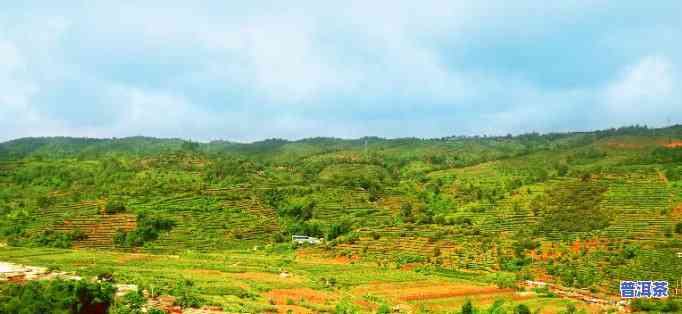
{"x": 582, "y": 209}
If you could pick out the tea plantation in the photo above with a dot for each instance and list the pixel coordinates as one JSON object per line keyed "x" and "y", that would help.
{"x": 580, "y": 210}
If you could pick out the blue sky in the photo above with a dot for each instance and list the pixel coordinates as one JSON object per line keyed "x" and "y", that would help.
{"x": 244, "y": 72}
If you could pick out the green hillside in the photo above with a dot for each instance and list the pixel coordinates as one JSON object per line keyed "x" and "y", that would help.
{"x": 582, "y": 210}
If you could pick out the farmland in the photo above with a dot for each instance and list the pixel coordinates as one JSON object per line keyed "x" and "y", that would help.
{"x": 410, "y": 225}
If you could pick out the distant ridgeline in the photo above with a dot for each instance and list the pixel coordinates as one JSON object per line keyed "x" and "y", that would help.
{"x": 581, "y": 209}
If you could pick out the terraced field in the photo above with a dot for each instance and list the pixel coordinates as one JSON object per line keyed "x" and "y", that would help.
{"x": 581, "y": 211}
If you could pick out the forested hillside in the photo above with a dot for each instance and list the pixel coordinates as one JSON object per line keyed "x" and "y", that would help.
{"x": 580, "y": 209}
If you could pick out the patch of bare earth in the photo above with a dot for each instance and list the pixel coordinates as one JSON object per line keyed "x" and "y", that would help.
{"x": 309, "y": 256}
{"x": 437, "y": 293}
{"x": 622, "y": 145}
{"x": 416, "y": 291}
{"x": 674, "y": 144}
{"x": 295, "y": 309}
{"x": 284, "y": 296}
{"x": 269, "y": 277}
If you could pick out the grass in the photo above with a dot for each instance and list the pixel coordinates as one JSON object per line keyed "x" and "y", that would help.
{"x": 244, "y": 279}
{"x": 420, "y": 211}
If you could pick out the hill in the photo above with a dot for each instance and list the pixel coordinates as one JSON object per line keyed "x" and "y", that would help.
{"x": 583, "y": 210}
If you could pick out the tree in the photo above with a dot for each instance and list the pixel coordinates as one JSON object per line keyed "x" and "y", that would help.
{"x": 678, "y": 228}
{"x": 337, "y": 229}
{"x": 521, "y": 309}
{"x": 190, "y": 146}
{"x": 114, "y": 206}
{"x": 46, "y": 201}
{"x": 406, "y": 211}
{"x": 468, "y": 308}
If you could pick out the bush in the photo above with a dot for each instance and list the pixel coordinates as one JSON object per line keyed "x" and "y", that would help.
{"x": 351, "y": 237}
{"x": 521, "y": 309}
{"x": 346, "y": 307}
{"x": 657, "y": 306}
{"x": 505, "y": 280}
{"x": 56, "y": 296}
{"x": 185, "y": 296}
{"x": 114, "y": 206}
{"x": 468, "y": 308}
{"x": 278, "y": 237}
{"x": 673, "y": 174}
{"x": 298, "y": 209}
{"x": 406, "y": 212}
{"x": 678, "y": 228}
{"x": 312, "y": 229}
{"x": 53, "y": 239}
{"x": 384, "y": 309}
{"x": 46, "y": 201}
{"x": 131, "y": 303}
{"x": 337, "y": 229}
{"x": 148, "y": 229}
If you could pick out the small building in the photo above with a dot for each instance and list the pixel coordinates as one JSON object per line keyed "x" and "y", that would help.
{"x": 301, "y": 239}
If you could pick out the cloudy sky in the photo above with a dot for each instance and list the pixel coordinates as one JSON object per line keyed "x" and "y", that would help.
{"x": 294, "y": 69}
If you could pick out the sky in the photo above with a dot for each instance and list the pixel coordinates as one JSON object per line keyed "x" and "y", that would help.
{"x": 251, "y": 70}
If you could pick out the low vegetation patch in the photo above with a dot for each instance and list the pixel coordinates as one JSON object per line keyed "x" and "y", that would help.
{"x": 56, "y": 296}
{"x": 148, "y": 229}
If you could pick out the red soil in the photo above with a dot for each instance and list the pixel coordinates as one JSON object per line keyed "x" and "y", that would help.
{"x": 674, "y": 144}
{"x": 280, "y": 296}
{"x": 578, "y": 245}
{"x": 294, "y": 309}
{"x": 621, "y": 145}
{"x": 430, "y": 295}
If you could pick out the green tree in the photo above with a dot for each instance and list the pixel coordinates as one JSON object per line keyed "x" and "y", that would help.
{"x": 521, "y": 309}
{"x": 468, "y": 308}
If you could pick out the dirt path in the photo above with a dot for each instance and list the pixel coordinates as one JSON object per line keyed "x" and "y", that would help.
{"x": 19, "y": 273}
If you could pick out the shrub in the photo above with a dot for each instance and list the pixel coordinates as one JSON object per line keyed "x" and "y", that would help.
{"x": 630, "y": 251}
{"x": 337, "y": 229}
{"x": 521, "y": 309}
{"x": 114, "y": 206}
{"x": 570, "y": 309}
{"x": 678, "y": 228}
{"x": 53, "y": 239}
{"x": 673, "y": 174}
{"x": 278, "y": 237}
{"x": 148, "y": 229}
{"x": 298, "y": 209}
{"x": 657, "y": 306}
{"x": 505, "y": 280}
{"x": 312, "y": 229}
{"x": 56, "y": 296}
{"x": 468, "y": 308}
{"x": 406, "y": 212}
{"x": 346, "y": 307}
{"x": 131, "y": 303}
{"x": 46, "y": 201}
{"x": 384, "y": 309}
{"x": 185, "y": 296}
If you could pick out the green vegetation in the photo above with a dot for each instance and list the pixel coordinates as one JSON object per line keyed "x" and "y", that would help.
{"x": 148, "y": 229}
{"x": 583, "y": 210}
{"x": 56, "y": 296}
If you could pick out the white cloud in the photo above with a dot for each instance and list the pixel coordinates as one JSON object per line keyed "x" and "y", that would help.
{"x": 15, "y": 90}
{"x": 335, "y": 68}
{"x": 649, "y": 90}
{"x": 650, "y": 79}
